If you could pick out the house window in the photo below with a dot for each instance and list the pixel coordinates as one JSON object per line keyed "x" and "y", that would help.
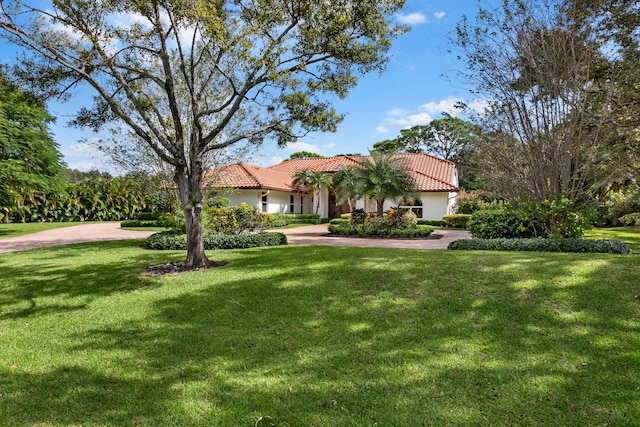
{"x": 292, "y": 204}
{"x": 264, "y": 203}
{"x": 301, "y": 203}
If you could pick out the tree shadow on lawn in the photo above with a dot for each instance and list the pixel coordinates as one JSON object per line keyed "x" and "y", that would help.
{"x": 400, "y": 338}
{"x": 69, "y": 277}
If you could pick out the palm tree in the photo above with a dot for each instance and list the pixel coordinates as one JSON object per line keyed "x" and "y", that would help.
{"x": 344, "y": 185}
{"x": 381, "y": 177}
{"x": 313, "y": 182}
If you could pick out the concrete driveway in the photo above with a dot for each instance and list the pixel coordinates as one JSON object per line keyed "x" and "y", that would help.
{"x": 74, "y": 234}
{"x": 308, "y": 235}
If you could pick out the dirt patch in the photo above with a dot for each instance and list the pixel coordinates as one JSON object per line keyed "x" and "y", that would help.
{"x": 178, "y": 267}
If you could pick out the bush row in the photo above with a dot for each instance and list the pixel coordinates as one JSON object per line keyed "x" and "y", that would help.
{"x": 434, "y": 222}
{"x": 524, "y": 219}
{"x": 420, "y": 231}
{"x": 172, "y": 241}
{"x": 542, "y": 245}
{"x": 134, "y": 223}
{"x": 457, "y": 220}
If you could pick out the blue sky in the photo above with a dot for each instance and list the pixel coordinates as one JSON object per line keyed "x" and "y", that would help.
{"x": 419, "y": 83}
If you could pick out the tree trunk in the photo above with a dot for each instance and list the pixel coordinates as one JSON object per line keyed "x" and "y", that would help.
{"x": 318, "y": 204}
{"x": 380, "y": 206}
{"x": 189, "y": 184}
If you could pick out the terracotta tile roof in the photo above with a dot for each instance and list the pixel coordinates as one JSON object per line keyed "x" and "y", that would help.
{"x": 429, "y": 172}
{"x": 242, "y": 175}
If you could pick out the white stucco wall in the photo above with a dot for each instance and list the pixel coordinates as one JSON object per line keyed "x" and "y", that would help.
{"x": 277, "y": 201}
{"x": 434, "y": 205}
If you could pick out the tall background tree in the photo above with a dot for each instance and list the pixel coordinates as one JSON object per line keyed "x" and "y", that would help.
{"x": 540, "y": 67}
{"x": 450, "y": 138}
{"x": 192, "y": 77}
{"x": 29, "y": 158}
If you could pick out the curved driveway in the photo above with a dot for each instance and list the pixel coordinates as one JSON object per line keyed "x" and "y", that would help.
{"x": 308, "y": 235}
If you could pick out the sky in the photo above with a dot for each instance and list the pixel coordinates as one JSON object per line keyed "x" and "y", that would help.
{"x": 419, "y": 83}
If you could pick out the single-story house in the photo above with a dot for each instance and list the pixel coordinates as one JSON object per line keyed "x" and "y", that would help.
{"x": 270, "y": 187}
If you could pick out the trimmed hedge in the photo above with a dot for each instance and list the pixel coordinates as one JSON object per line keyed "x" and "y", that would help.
{"x": 358, "y": 230}
{"x": 280, "y": 220}
{"x": 434, "y": 222}
{"x": 457, "y": 220}
{"x": 133, "y": 223}
{"x": 542, "y": 245}
{"x": 172, "y": 241}
{"x": 340, "y": 221}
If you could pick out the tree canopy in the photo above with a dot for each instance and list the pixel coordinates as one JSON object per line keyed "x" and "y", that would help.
{"x": 29, "y": 157}
{"x": 540, "y": 66}
{"x": 304, "y": 155}
{"x": 191, "y": 77}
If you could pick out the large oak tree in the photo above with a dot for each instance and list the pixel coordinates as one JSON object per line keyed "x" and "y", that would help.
{"x": 189, "y": 77}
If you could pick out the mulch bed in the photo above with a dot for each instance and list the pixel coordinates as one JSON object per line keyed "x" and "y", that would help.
{"x": 178, "y": 267}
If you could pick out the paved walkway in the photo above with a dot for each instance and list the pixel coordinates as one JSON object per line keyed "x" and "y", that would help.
{"x": 308, "y": 235}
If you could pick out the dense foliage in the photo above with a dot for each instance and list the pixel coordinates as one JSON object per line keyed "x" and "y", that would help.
{"x": 522, "y": 219}
{"x": 542, "y": 245}
{"x": 394, "y": 223}
{"x": 29, "y": 158}
{"x": 92, "y": 199}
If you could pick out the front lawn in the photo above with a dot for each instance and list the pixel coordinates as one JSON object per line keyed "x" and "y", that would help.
{"x": 303, "y": 335}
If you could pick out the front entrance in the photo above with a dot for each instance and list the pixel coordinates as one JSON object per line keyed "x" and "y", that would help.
{"x": 336, "y": 210}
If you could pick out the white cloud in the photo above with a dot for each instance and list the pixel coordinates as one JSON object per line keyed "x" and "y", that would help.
{"x": 479, "y": 106}
{"x": 382, "y": 129}
{"x": 412, "y": 18}
{"x": 446, "y": 105}
{"x": 84, "y": 166}
{"x": 409, "y": 120}
{"x": 302, "y": 146}
{"x": 439, "y": 15}
{"x": 329, "y": 145}
{"x": 81, "y": 149}
{"x": 397, "y": 112}
{"x": 276, "y": 160}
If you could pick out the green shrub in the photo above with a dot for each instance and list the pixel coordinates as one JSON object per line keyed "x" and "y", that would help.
{"x": 134, "y": 223}
{"x": 542, "y": 245}
{"x": 496, "y": 224}
{"x": 468, "y": 203}
{"x": 234, "y": 219}
{"x": 280, "y": 220}
{"x": 630, "y": 219}
{"x": 361, "y": 230}
{"x": 457, "y": 220}
{"x": 523, "y": 219}
{"x": 433, "y": 222}
{"x": 148, "y": 216}
{"x": 173, "y": 241}
{"x": 339, "y": 221}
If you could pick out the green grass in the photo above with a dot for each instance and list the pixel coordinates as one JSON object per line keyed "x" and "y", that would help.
{"x": 630, "y": 235}
{"x": 20, "y": 229}
{"x": 301, "y": 336}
